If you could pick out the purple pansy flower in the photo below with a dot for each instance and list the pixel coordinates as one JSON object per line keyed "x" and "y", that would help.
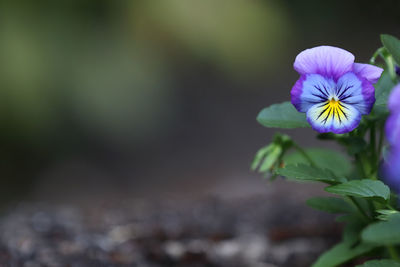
{"x": 333, "y": 91}
{"x": 391, "y": 169}
{"x": 392, "y": 128}
{"x": 393, "y": 122}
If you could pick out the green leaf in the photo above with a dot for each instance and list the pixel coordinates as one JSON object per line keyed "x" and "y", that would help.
{"x": 261, "y": 154}
{"x": 380, "y": 263}
{"x": 341, "y": 253}
{"x": 282, "y": 115}
{"x": 365, "y": 188}
{"x": 308, "y": 173}
{"x": 385, "y": 214}
{"x": 329, "y": 159}
{"x": 330, "y": 204}
{"x": 392, "y": 45}
{"x": 383, "y": 233}
{"x": 270, "y": 159}
{"x": 382, "y": 91}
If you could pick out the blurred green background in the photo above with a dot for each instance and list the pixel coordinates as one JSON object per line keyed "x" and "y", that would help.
{"x": 147, "y": 97}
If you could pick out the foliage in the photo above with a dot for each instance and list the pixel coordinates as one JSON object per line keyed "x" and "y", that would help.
{"x": 365, "y": 204}
{"x": 380, "y": 263}
{"x": 362, "y": 188}
{"x": 282, "y": 115}
{"x": 383, "y": 233}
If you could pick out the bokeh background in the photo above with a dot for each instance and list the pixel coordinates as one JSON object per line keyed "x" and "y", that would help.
{"x": 154, "y": 97}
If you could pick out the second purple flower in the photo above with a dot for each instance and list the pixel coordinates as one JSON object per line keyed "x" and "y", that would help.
{"x": 392, "y": 127}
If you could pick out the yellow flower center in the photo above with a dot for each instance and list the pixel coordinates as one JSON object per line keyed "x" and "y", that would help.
{"x": 333, "y": 109}
{"x": 334, "y": 103}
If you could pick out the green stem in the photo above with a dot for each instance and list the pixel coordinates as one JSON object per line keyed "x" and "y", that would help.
{"x": 393, "y": 252}
{"x": 374, "y": 160}
{"x": 380, "y": 143}
{"x": 373, "y": 142}
{"x": 360, "y": 166}
{"x": 305, "y": 155}
{"x": 390, "y": 67}
{"x": 388, "y": 58}
{"x": 359, "y": 208}
{"x": 377, "y": 53}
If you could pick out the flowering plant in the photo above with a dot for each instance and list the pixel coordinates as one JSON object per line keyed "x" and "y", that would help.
{"x": 358, "y": 106}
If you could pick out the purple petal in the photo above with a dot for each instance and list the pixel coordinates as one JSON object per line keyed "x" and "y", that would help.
{"x": 369, "y": 72}
{"x": 324, "y": 118}
{"x": 392, "y": 129}
{"x": 296, "y": 92}
{"x": 311, "y": 89}
{"x": 394, "y": 99}
{"x": 328, "y": 61}
{"x": 357, "y": 92}
{"x": 391, "y": 169}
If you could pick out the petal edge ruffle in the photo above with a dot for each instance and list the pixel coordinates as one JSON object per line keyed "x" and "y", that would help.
{"x": 369, "y": 72}
{"x": 328, "y": 61}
